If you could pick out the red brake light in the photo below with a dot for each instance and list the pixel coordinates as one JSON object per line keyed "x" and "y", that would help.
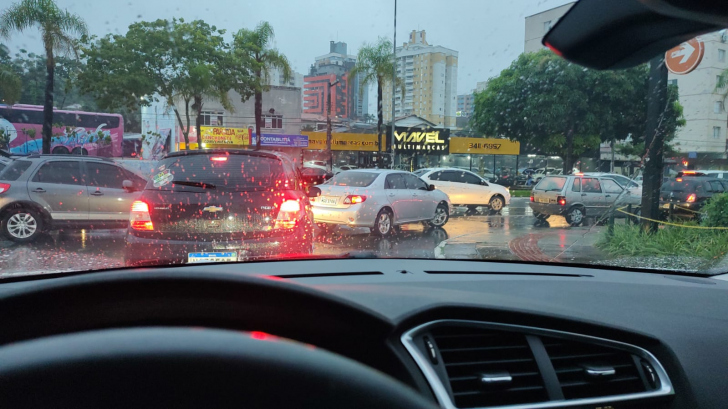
{"x": 354, "y": 199}
{"x": 532, "y": 198}
{"x": 688, "y": 172}
{"x": 289, "y": 213}
{"x": 678, "y": 180}
{"x": 691, "y": 198}
{"x": 139, "y": 218}
{"x": 561, "y": 200}
{"x": 218, "y": 158}
{"x": 4, "y": 187}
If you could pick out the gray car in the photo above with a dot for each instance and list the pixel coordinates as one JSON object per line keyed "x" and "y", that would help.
{"x": 576, "y": 196}
{"x": 46, "y": 192}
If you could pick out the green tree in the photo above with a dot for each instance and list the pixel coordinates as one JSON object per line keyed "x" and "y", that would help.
{"x": 174, "y": 60}
{"x": 253, "y": 49}
{"x": 375, "y": 64}
{"x": 11, "y": 85}
{"x": 59, "y": 30}
{"x": 557, "y": 108}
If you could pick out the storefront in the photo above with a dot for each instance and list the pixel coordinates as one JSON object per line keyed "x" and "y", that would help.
{"x": 356, "y": 149}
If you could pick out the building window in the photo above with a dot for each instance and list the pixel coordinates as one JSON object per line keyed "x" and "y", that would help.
{"x": 718, "y": 107}
{"x": 716, "y": 132}
{"x": 212, "y": 118}
{"x": 546, "y": 26}
{"x": 671, "y": 82}
{"x": 718, "y": 80}
{"x": 721, "y": 55}
{"x": 273, "y": 121}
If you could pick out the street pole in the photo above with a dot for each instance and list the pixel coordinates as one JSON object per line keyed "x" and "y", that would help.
{"x": 394, "y": 80}
{"x": 611, "y": 165}
{"x": 328, "y": 126}
{"x": 654, "y": 142}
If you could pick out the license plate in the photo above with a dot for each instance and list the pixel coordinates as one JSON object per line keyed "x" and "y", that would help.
{"x": 214, "y": 257}
{"x": 542, "y": 200}
{"x": 328, "y": 199}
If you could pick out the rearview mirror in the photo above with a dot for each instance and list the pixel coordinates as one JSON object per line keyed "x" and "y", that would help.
{"x": 484, "y": 183}
{"x": 313, "y": 191}
{"x": 128, "y": 185}
{"x": 430, "y": 187}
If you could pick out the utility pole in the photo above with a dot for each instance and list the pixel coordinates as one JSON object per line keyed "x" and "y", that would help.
{"x": 394, "y": 82}
{"x": 328, "y": 125}
{"x": 654, "y": 142}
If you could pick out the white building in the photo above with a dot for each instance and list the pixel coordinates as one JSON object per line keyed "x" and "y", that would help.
{"x": 430, "y": 75}
{"x": 539, "y": 24}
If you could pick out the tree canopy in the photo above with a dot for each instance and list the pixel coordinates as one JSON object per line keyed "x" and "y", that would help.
{"x": 554, "y": 107}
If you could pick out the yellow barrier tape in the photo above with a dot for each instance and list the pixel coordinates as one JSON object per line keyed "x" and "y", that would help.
{"x": 685, "y": 208}
{"x": 671, "y": 224}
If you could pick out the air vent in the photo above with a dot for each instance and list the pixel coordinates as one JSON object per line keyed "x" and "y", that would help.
{"x": 587, "y": 370}
{"x": 488, "y": 367}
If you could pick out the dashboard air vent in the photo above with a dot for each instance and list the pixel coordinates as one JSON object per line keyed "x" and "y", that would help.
{"x": 587, "y": 370}
{"x": 488, "y": 367}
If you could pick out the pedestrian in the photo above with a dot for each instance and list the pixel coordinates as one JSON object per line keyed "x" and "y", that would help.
{"x": 529, "y": 181}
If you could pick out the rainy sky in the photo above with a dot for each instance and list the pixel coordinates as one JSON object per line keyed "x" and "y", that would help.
{"x": 488, "y": 34}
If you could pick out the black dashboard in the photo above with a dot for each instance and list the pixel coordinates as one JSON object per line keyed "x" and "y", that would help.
{"x": 462, "y": 333}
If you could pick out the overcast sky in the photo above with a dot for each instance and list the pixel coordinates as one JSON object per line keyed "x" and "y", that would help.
{"x": 488, "y": 34}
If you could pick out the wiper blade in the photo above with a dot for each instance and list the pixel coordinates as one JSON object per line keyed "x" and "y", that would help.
{"x": 201, "y": 185}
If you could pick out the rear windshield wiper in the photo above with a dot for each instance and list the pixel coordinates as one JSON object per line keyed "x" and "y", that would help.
{"x": 201, "y": 185}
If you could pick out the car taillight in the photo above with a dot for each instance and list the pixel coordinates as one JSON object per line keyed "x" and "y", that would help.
{"x": 532, "y": 198}
{"x": 561, "y": 200}
{"x": 139, "y": 218}
{"x": 354, "y": 199}
{"x": 691, "y": 198}
{"x": 4, "y": 187}
{"x": 219, "y": 158}
{"x": 289, "y": 214}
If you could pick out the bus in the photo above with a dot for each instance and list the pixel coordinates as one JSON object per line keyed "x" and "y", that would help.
{"x": 74, "y": 132}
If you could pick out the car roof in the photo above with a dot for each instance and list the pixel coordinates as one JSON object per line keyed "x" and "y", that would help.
{"x": 222, "y": 151}
{"x": 44, "y": 157}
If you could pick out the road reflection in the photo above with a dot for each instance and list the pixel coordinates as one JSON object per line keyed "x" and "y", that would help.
{"x": 413, "y": 241}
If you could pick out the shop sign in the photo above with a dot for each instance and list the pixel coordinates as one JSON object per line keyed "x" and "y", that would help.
{"x": 283, "y": 141}
{"x": 344, "y": 141}
{"x": 421, "y": 140}
{"x": 483, "y": 146}
{"x": 219, "y": 135}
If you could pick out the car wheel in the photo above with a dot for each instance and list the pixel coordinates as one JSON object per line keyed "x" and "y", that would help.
{"x": 496, "y": 203}
{"x": 575, "y": 216}
{"x": 383, "y": 225}
{"x": 22, "y": 225}
{"x": 637, "y": 212}
{"x": 441, "y": 216}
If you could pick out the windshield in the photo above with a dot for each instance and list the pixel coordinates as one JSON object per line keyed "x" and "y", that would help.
{"x": 306, "y": 129}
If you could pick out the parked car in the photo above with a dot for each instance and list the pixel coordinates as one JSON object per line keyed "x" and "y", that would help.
{"x": 468, "y": 189}
{"x": 576, "y": 196}
{"x": 718, "y": 174}
{"x": 315, "y": 164}
{"x": 342, "y": 168}
{"x": 687, "y": 195}
{"x": 540, "y": 173}
{"x": 315, "y": 176}
{"x": 220, "y": 205}
{"x": 46, "y": 192}
{"x": 378, "y": 199}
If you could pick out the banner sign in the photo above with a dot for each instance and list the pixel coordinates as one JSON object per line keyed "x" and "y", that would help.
{"x": 344, "y": 141}
{"x": 220, "y": 135}
{"x": 284, "y": 141}
{"x": 420, "y": 140}
{"x": 483, "y": 146}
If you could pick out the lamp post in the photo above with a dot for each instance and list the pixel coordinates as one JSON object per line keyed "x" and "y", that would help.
{"x": 328, "y": 125}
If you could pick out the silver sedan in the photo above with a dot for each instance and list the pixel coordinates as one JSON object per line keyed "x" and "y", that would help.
{"x": 380, "y": 200}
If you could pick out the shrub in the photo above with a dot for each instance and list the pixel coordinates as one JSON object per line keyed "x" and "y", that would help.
{"x": 716, "y": 211}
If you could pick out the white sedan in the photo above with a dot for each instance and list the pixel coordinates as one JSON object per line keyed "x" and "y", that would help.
{"x": 465, "y": 188}
{"x": 378, "y": 199}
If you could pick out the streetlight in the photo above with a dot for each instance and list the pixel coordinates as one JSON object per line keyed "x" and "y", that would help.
{"x": 328, "y": 125}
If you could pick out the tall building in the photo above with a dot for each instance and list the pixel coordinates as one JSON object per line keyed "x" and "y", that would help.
{"x": 539, "y": 24}
{"x": 430, "y": 75}
{"x": 348, "y": 101}
{"x": 466, "y": 104}
{"x": 276, "y": 79}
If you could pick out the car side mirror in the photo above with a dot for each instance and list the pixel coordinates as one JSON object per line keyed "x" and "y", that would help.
{"x": 128, "y": 185}
{"x": 313, "y": 191}
{"x": 484, "y": 183}
{"x": 430, "y": 188}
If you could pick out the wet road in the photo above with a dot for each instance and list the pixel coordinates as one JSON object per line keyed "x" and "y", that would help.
{"x": 104, "y": 248}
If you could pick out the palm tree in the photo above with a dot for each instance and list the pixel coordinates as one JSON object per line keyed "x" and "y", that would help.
{"x": 375, "y": 63}
{"x": 254, "y": 46}
{"x": 59, "y": 30}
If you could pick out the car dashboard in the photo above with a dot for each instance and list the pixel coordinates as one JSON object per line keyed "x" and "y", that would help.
{"x": 464, "y": 334}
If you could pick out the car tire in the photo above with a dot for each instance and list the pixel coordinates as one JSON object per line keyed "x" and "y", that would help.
{"x": 637, "y": 212}
{"x": 22, "y": 225}
{"x": 383, "y": 224}
{"x": 441, "y": 216}
{"x": 575, "y": 216}
{"x": 497, "y": 203}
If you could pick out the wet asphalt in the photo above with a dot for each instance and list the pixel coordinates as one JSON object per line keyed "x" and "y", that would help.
{"x": 102, "y": 249}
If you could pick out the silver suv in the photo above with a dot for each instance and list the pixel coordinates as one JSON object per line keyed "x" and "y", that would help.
{"x": 47, "y": 192}
{"x": 576, "y": 196}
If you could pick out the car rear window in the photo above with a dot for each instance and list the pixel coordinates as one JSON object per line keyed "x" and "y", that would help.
{"x": 15, "y": 169}
{"x": 551, "y": 183}
{"x": 355, "y": 179}
{"x": 231, "y": 172}
{"x": 684, "y": 185}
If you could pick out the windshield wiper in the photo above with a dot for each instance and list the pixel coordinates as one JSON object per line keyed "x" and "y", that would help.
{"x": 201, "y": 185}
